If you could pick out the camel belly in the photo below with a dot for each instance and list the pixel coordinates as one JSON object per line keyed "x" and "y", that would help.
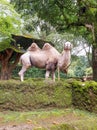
{"x": 38, "y": 62}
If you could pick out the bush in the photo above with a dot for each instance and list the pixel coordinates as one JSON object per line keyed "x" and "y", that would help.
{"x": 31, "y": 72}
{"x": 34, "y": 72}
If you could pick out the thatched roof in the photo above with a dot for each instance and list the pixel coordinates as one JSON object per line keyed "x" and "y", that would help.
{"x": 25, "y": 41}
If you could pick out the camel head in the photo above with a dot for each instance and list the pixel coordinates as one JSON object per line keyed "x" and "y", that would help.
{"x": 64, "y": 60}
{"x": 46, "y": 46}
{"x": 67, "y": 46}
{"x": 33, "y": 47}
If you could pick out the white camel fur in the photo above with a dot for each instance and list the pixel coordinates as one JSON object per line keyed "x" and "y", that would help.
{"x": 65, "y": 59}
{"x": 47, "y": 57}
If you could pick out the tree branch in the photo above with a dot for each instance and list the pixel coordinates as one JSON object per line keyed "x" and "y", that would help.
{"x": 13, "y": 65}
{"x": 9, "y": 54}
{"x": 91, "y": 27}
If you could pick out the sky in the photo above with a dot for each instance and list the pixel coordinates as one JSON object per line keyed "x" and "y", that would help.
{"x": 81, "y": 50}
{"x": 8, "y": 0}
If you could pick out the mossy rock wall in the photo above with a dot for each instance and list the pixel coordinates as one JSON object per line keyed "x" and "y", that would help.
{"x": 84, "y": 95}
{"x": 34, "y": 94}
{"x": 38, "y": 93}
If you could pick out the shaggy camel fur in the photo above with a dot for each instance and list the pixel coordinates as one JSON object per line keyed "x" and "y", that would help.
{"x": 40, "y": 58}
{"x": 47, "y": 57}
{"x": 64, "y": 60}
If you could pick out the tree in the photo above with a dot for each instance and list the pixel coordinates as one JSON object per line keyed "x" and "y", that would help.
{"x": 10, "y": 23}
{"x": 12, "y": 46}
{"x": 34, "y": 25}
{"x": 76, "y": 16}
{"x": 80, "y": 67}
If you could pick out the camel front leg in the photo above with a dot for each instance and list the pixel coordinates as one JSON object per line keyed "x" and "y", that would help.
{"x": 21, "y": 73}
{"x": 58, "y": 73}
{"x": 47, "y": 74}
{"x": 53, "y": 76}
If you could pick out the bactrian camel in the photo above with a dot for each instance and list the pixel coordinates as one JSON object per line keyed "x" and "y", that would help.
{"x": 47, "y": 58}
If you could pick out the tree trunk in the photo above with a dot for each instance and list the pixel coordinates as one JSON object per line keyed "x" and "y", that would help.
{"x": 7, "y": 65}
{"x": 94, "y": 62}
{"x": 4, "y": 71}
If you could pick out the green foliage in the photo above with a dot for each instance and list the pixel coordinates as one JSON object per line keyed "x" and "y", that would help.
{"x": 35, "y": 73}
{"x": 60, "y": 39}
{"x": 9, "y": 20}
{"x": 4, "y": 43}
{"x": 63, "y": 15}
{"x": 88, "y": 71}
{"x": 79, "y": 67}
{"x": 10, "y": 23}
{"x": 31, "y": 72}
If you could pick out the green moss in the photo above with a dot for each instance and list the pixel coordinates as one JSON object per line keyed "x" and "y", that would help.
{"x": 62, "y": 127}
{"x": 72, "y": 127}
{"x": 38, "y": 93}
{"x": 32, "y": 94}
{"x": 84, "y": 95}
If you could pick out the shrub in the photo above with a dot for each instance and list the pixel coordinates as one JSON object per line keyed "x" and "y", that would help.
{"x": 34, "y": 72}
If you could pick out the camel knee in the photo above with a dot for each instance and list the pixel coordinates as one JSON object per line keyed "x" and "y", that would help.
{"x": 20, "y": 74}
{"x": 28, "y": 65}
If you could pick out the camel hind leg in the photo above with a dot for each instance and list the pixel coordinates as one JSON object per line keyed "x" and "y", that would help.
{"x": 22, "y": 71}
{"x": 51, "y": 68}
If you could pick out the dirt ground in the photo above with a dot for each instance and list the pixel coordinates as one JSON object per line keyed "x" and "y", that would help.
{"x": 43, "y": 123}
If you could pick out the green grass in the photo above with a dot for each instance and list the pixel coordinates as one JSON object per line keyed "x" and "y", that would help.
{"x": 55, "y": 119}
